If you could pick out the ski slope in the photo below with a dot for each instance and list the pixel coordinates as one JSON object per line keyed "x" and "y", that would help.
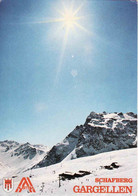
{"x": 46, "y": 180}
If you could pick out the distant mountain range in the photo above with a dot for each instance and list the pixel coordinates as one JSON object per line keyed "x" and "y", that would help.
{"x": 101, "y": 132}
{"x": 18, "y": 157}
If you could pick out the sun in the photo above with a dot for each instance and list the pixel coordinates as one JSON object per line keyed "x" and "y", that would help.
{"x": 69, "y": 20}
{"x": 70, "y": 17}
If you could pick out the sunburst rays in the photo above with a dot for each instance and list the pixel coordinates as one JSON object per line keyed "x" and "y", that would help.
{"x": 68, "y": 19}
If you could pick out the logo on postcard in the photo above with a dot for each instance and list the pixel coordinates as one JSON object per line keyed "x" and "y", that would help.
{"x": 7, "y": 184}
{"x": 25, "y": 183}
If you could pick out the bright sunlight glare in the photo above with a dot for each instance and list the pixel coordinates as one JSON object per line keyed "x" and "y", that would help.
{"x": 69, "y": 18}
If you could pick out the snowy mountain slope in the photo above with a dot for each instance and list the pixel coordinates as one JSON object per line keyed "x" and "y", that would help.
{"x": 45, "y": 180}
{"x": 102, "y": 132}
{"x": 19, "y": 157}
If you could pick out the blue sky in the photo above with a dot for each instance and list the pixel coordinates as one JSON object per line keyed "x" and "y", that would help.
{"x": 43, "y": 98}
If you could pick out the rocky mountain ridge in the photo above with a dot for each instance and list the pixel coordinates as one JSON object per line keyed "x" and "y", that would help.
{"x": 101, "y": 132}
{"x": 25, "y": 150}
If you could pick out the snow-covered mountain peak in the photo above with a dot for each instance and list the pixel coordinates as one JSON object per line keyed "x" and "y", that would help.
{"x": 101, "y": 132}
{"x": 16, "y": 156}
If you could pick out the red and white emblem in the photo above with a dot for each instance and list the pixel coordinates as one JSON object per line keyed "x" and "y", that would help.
{"x": 25, "y": 183}
{"x": 7, "y": 184}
